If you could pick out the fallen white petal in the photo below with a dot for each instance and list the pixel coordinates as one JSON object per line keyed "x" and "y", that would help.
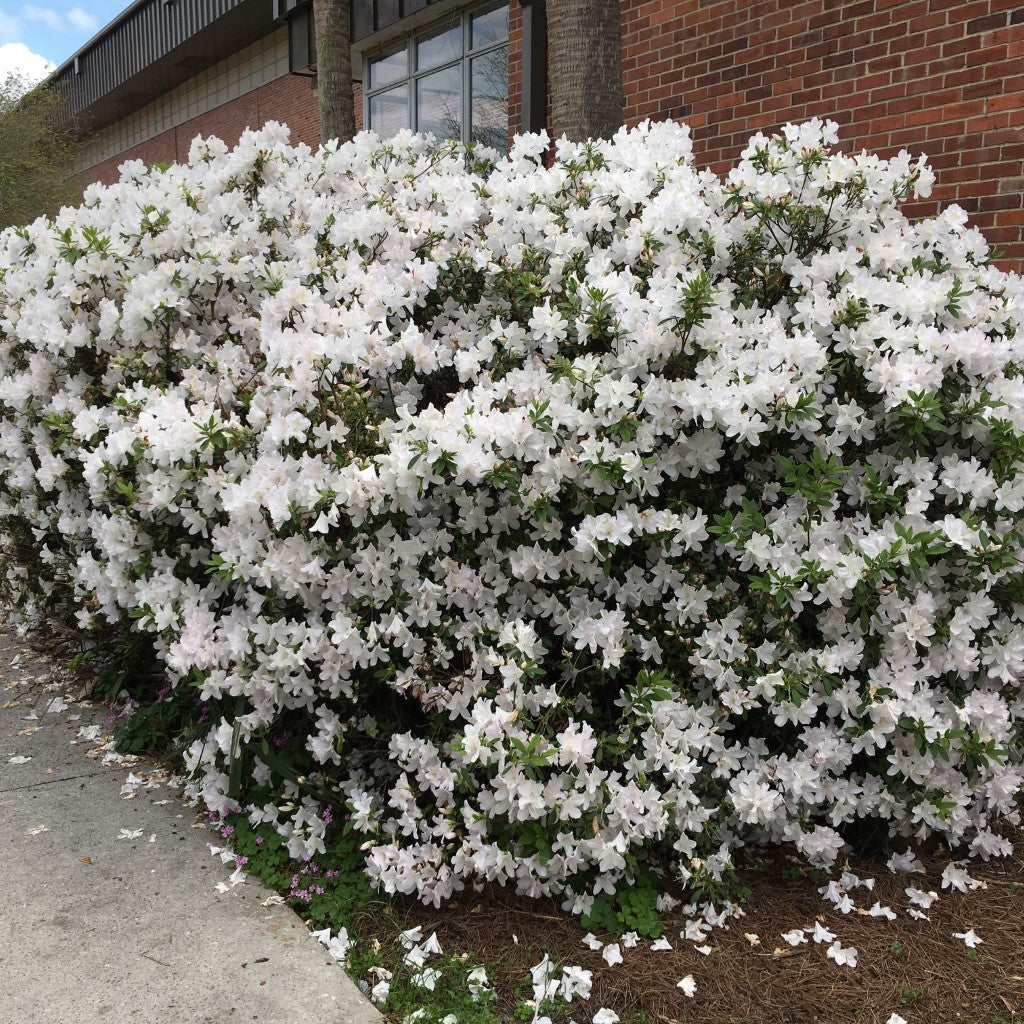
{"x": 843, "y": 957}
{"x": 921, "y": 898}
{"x": 688, "y": 985}
{"x": 612, "y": 954}
{"x": 969, "y": 937}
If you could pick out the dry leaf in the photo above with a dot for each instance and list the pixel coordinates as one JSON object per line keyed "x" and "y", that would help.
{"x": 85, "y": 860}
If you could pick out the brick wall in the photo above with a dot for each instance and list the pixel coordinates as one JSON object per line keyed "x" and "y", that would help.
{"x": 943, "y": 77}
{"x": 288, "y": 99}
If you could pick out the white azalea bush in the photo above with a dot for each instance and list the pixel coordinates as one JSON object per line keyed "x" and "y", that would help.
{"x": 562, "y": 522}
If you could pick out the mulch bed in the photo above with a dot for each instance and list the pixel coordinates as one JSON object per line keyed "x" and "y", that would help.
{"x": 914, "y": 968}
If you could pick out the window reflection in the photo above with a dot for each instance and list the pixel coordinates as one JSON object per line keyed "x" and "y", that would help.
{"x": 490, "y": 27}
{"x": 389, "y": 68}
{"x": 490, "y": 98}
{"x": 389, "y": 111}
{"x": 439, "y": 103}
{"x": 439, "y": 48}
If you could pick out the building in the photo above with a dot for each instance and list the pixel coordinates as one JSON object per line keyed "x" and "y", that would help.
{"x": 945, "y": 77}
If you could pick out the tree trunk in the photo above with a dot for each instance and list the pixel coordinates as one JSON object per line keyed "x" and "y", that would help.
{"x": 585, "y": 68}
{"x": 334, "y": 70}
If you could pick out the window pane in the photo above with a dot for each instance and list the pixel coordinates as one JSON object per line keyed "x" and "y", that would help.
{"x": 490, "y": 98}
{"x": 389, "y": 111}
{"x": 439, "y": 103}
{"x": 439, "y": 48}
{"x": 389, "y": 68}
{"x": 491, "y": 27}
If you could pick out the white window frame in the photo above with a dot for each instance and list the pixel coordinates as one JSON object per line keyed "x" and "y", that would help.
{"x": 464, "y": 19}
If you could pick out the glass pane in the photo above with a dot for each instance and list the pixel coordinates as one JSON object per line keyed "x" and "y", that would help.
{"x": 439, "y": 48}
{"x": 389, "y": 68}
{"x": 389, "y": 111}
{"x": 490, "y": 98}
{"x": 491, "y": 27}
{"x": 439, "y": 103}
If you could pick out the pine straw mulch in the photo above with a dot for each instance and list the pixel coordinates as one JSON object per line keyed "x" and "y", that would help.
{"x": 910, "y": 967}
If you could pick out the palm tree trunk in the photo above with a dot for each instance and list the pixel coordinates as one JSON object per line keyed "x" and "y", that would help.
{"x": 585, "y": 68}
{"x": 334, "y": 70}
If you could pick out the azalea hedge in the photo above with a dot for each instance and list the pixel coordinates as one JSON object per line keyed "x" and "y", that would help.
{"x": 559, "y": 520}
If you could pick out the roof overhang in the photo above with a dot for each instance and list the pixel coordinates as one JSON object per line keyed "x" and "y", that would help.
{"x": 149, "y": 49}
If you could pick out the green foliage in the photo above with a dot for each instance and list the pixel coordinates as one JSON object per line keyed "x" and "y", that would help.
{"x": 450, "y": 996}
{"x": 331, "y": 890}
{"x": 631, "y": 908}
{"x": 36, "y": 153}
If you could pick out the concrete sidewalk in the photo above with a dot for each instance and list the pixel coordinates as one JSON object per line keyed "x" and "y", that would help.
{"x": 109, "y": 910}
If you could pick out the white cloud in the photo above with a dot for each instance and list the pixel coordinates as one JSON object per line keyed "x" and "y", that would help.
{"x": 82, "y": 20}
{"x": 10, "y": 28}
{"x": 45, "y": 16}
{"x": 18, "y": 60}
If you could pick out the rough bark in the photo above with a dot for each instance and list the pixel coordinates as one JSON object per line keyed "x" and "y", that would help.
{"x": 585, "y": 68}
{"x": 334, "y": 70}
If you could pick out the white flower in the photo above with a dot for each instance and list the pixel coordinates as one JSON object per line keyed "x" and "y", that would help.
{"x": 920, "y": 898}
{"x": 795, "y": 937}
{"x": 906, "y": 861}
{"x": 955, "y": 877}
{"x": 688, "y": 985}
{"x": 969, "y": 938}
{"x": 612, "y": 954}
{"x": 478, "y": 983}
{"x": 427, "y": 978}
{"x": 844, "y": 957}
{"x": 877, "y": 910}
{"x": 605, "y": 1016}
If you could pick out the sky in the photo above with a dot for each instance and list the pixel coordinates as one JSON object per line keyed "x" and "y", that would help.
{"x": 36, "y": 37}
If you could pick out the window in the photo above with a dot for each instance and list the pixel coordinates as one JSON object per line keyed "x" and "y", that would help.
{"x": 451, "y": 80}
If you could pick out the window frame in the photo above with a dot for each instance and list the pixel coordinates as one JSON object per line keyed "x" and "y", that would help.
{"x": 464, "y": 62}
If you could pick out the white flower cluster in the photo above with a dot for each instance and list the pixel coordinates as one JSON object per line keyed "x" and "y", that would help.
{"x": 547, "y": 514}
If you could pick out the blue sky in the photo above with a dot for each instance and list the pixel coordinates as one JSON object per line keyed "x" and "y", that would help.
{"x": 38, "y": 34}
